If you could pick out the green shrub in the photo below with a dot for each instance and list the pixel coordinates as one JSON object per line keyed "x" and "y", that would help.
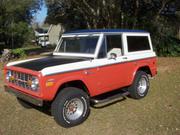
{"x": 18, "y": 53}
{"x": 169, "y": 47}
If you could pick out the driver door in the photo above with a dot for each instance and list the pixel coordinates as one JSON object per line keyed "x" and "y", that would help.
{"x": 110, "y": 73}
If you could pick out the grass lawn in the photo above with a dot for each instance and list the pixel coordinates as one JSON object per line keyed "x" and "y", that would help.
{"x": 156, "y": 114}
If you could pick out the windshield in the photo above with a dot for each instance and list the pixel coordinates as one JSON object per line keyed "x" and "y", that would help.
{"x": 85, "y": 45}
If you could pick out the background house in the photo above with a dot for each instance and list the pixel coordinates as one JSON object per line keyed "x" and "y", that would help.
{"x": 48, "y": 34}
{"x": 54, "y": 32}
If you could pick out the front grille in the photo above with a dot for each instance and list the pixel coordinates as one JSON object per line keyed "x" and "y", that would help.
{"x": 21, "y": 79}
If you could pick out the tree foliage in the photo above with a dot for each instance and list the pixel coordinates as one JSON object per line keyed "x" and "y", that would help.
{"x": 157, "y": 16}
{"x": 15, "y": 17}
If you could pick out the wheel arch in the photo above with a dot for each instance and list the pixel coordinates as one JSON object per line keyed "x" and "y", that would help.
{"x": 144, "y": 68}
{"x": 73, "y": 83}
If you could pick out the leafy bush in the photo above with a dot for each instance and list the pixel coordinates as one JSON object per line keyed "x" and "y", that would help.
{"x": 168, "y": 47}
{"x": 17, "y": 53}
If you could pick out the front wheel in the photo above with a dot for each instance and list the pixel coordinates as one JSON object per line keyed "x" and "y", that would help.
{"x": 70, "y": 107}
{"x": 140, "y": 86}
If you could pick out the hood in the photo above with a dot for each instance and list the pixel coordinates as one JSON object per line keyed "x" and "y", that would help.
{"x": 50, "y": 61}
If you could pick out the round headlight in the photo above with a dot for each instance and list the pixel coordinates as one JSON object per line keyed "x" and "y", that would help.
{"x": 8, "y": 75}
{"x": 35, "y": 83}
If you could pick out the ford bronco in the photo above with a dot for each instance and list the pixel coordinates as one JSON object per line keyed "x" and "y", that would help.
{"x": 85, "y": 65}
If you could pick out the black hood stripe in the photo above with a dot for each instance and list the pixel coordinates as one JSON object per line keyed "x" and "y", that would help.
{"x": 50, "y": 61}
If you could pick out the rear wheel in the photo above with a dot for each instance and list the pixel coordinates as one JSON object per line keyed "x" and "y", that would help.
{"x": 70, "y": 107}
{"x": 140, "y": 86}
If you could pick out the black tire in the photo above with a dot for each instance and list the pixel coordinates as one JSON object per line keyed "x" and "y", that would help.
{"x": 140, "y": 86}
{"x": 66, "y": 105}
{"x": 24, "y": 103}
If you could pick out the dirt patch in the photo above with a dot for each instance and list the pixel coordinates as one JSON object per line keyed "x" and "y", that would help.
{"x": 168, "y": 64}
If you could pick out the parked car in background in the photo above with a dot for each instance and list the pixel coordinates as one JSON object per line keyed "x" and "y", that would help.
{"x": 42, "y": 37}
{"x": 43, "y": 40}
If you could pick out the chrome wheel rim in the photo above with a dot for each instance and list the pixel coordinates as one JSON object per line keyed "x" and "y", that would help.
{"x": 142, "y": 86}
{"x": 74, "y": 109}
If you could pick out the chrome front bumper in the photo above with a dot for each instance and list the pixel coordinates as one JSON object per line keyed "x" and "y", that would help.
{"x": 23, "y": 96}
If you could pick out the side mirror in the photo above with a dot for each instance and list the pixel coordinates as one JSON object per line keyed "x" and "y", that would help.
{"x": 112, "y": 56}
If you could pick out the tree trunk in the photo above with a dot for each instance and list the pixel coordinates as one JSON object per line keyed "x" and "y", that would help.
{"x": 164, "y": 2}
{"x": 178, "y": 36}
{"x": 135, "y": 13}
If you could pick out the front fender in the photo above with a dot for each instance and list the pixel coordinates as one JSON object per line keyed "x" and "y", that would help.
{"x": 59, "y": 80}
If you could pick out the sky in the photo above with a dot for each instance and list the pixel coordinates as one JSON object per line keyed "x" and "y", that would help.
{"x": 41, "y": 15}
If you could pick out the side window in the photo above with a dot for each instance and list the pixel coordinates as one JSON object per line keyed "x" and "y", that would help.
{"x": 114, "y": 44}
{"x": 138, "y": 43}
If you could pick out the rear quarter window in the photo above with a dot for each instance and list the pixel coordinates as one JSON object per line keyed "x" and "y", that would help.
{"x": 138, "y": 43}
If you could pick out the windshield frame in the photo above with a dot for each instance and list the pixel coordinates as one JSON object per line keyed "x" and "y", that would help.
{"x": 77, "y": 54}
